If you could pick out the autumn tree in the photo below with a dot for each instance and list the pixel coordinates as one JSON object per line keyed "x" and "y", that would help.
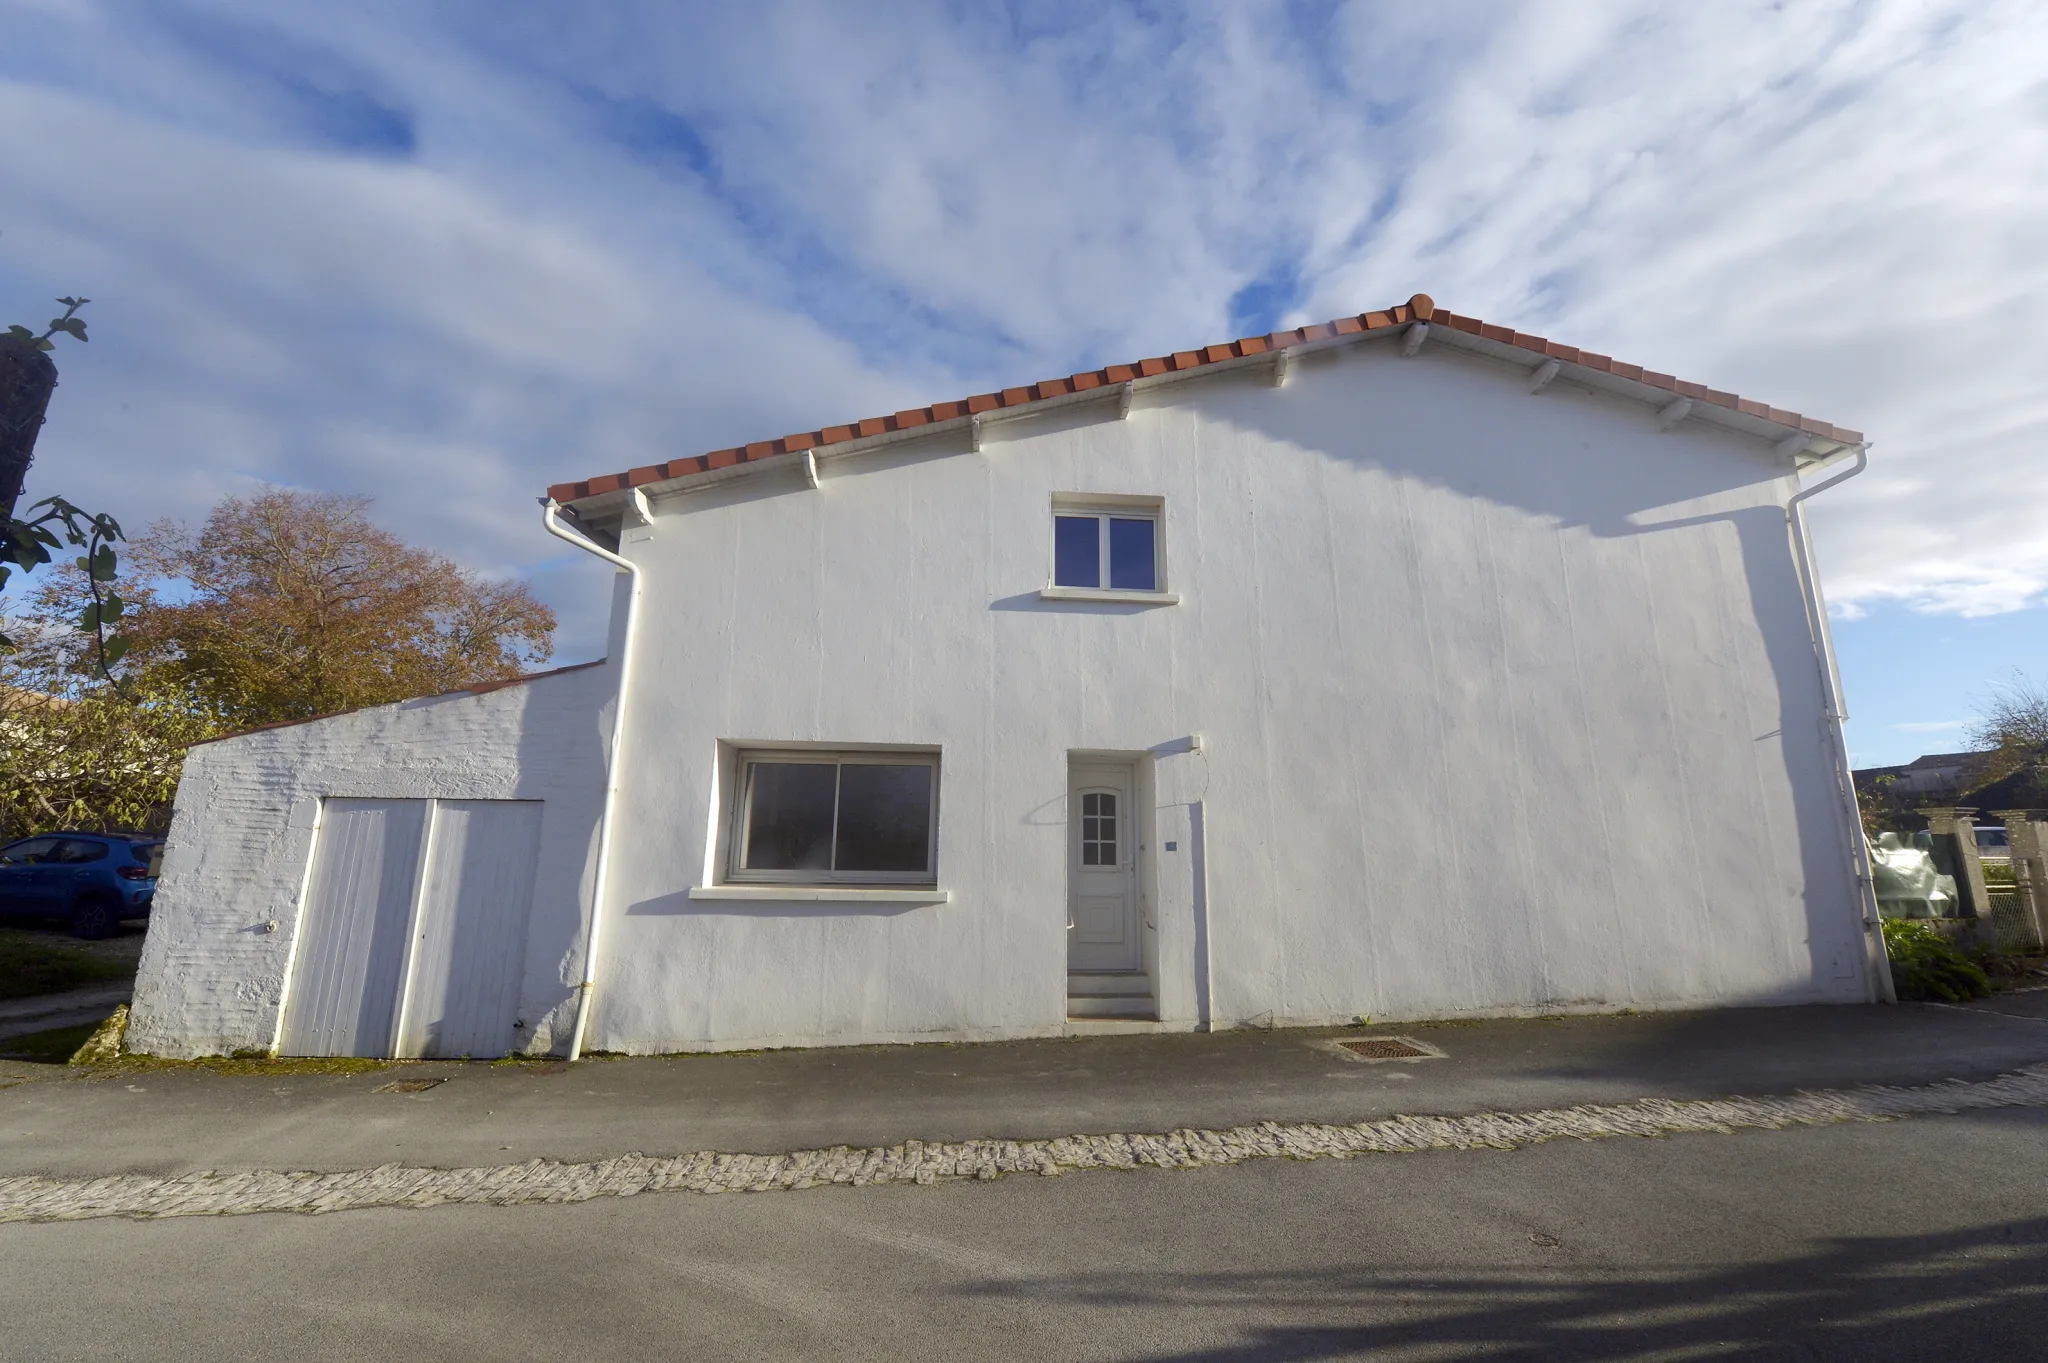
{"x": 287, "y": 604}
{"x": 2012, "y": 728}
{"x": 283, "y": 605}
{"x": 2014, "y": 716}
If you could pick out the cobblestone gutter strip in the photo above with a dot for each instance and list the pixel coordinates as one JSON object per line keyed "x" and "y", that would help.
{"x": 550, "y": 1181}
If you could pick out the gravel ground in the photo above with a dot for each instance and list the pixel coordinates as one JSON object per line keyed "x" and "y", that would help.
{"x": 33, "y": 1198}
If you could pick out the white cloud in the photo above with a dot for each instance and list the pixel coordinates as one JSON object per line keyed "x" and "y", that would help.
{"x": 449, "y": 260}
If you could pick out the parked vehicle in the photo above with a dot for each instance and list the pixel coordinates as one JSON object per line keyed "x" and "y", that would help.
{"x": 1993, "y": 842}
{"x": 89, "y": 880}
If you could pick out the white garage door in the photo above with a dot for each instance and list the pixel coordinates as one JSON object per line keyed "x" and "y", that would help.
{"x": 415, "y": 902}
{"x": 471, "y": 944}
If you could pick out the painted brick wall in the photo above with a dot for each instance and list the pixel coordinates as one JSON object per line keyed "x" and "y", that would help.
{"x": 213, "y": 968}
{"x": 1508, "y": 703}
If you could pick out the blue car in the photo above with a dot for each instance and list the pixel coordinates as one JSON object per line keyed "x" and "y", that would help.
{"x": 89, "y": 880}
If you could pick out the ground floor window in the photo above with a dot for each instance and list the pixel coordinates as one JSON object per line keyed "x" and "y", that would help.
{"x": 814, "y": 818}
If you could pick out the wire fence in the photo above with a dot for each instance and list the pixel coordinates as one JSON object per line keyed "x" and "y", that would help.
{"x": 2012, "y": 919}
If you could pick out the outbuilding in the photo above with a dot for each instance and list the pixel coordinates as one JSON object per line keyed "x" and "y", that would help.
{"x": 1404, "y": 666}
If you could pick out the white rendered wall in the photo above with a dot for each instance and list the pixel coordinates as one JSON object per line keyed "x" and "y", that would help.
{"x": 213, "y": 973}
{"x": 1506, "y": 703}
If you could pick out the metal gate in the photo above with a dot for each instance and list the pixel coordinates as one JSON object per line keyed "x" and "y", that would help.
{"x": 413, "y": 933}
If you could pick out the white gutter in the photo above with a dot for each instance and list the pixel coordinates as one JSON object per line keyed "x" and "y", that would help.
{"x": 600, "y": 878}
{"x": 1837, "y": 711}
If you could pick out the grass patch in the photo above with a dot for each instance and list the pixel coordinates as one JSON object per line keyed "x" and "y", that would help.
{"x": 251, "y": 1064}
{"x": 53, "y": 1047}
{"x": 32, "y": 964}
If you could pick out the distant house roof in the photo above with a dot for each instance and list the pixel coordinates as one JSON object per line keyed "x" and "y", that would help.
{"x": 1469, "y": 332}
{"x": 1943, "y": 759}
{"x": 19, "y": 698}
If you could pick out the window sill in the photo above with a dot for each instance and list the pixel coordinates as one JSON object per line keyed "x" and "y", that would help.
{"x": 1109, "y": 594}
{"x": 823, "y": 894}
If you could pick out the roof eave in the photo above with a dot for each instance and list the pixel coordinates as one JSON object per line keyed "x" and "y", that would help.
{"x": 1806, "y": 441}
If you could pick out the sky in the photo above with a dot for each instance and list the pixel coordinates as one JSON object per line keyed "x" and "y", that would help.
{"x": 447, "y": 254}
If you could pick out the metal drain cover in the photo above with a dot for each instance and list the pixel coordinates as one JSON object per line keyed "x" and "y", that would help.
{"x": 408, "y": 1086}
{"x": 1388, "y": 1048}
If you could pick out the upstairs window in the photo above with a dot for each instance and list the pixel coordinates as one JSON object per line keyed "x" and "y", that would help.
{"x": 811, "y": 818}
{"x": 1111, "y": 547}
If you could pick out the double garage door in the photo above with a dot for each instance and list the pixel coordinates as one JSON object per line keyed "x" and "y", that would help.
{"x": 413, "y": 934}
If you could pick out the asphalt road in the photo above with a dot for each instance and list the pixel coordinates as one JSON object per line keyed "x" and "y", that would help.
{"x": 1920, "y": 1239}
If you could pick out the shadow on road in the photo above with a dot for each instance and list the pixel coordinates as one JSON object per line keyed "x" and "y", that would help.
{"x": 1980, "y": 1293}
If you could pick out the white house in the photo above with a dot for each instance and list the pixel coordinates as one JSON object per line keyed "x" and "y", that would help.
{"x": 1405, "y": 666}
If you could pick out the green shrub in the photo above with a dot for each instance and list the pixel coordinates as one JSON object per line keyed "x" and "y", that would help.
{"x": 1926, "y": 966}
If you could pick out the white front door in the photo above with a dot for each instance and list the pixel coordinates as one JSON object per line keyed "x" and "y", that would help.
{"x": 1102, "y": 869}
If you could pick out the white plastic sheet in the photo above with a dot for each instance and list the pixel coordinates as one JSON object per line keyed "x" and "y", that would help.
{"x": 1908, "y": 886}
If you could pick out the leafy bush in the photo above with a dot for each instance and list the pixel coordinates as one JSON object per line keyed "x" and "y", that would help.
{"x": 1926, "y": 966}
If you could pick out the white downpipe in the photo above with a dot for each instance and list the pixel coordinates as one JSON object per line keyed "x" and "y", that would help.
{"x": 601, "y": 877}
{"x": 1837, "y": 711}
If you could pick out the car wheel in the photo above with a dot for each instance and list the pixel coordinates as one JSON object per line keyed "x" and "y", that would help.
{"x": 94, "y": 918}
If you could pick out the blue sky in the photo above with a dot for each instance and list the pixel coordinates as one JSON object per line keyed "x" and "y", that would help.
{"x": 447, "y": 254}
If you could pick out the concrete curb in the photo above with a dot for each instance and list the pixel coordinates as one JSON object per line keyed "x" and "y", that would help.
{"x": 35, "y": 1198}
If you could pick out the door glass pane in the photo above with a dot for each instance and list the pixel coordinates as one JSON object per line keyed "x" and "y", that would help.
{"x": 789, "y": 826}
{"x": 1076, "y": 551}
{"x": 1098, "y": 830}
{"x": 78, "y": 852}
{"x": 885, "y": 817}
{"x": 1131, "y": 561}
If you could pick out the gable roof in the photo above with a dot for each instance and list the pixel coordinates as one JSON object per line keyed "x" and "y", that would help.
{"x": 1419, "y": 316}
{"x": 481, "y": 688}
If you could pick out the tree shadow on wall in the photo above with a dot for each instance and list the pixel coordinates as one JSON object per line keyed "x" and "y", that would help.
{"x": 1975, "y": 1294}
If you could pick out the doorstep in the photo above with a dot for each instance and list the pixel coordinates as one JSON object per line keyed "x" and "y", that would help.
{"x": 1114, "y": 1026}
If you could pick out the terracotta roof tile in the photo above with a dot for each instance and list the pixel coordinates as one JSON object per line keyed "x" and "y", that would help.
{"x": 1420, "y": 307}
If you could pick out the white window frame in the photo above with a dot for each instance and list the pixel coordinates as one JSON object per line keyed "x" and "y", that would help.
{"x": 1105, "y": 507}
{"x": 738, "y": 873}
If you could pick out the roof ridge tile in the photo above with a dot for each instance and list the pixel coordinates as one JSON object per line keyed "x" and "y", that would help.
{"x": 1419, "y": 308}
